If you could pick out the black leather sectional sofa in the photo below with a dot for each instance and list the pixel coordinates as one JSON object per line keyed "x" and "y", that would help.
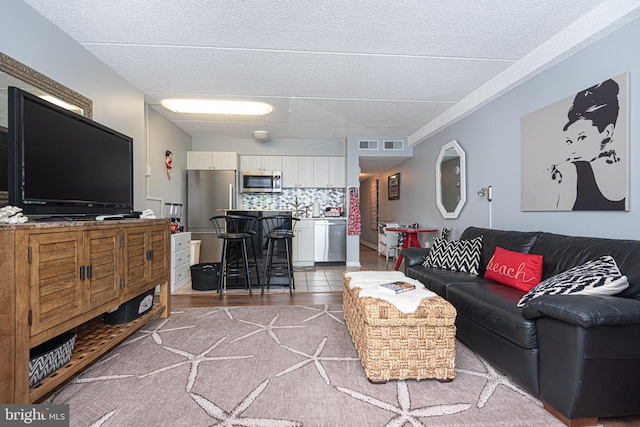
{"x": 578, "y": 354}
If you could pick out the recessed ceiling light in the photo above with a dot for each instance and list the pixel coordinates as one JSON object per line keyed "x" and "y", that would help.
{"x": 202, "y": 106}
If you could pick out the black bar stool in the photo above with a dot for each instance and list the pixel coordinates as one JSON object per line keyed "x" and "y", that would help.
{"x": 254, "y": 231}
{"x": 234, "y": 230}
{"x": 278, "y": 228}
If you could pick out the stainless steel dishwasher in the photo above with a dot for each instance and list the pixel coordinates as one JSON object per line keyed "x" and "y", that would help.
{"x": 330, "y": 240}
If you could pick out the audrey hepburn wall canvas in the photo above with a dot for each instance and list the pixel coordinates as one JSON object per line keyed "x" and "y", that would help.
{"x": 575, "y": 151}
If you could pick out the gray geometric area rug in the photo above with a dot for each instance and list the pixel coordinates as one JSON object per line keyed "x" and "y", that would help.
{"x": 274, "y": 366}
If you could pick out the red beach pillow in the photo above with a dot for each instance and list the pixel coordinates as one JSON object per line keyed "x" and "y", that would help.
{"x": 515, "y": 269}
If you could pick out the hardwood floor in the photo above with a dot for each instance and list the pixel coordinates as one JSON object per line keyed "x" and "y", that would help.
{"x": 236, "y": 299}
{"x": 317, "y": 285}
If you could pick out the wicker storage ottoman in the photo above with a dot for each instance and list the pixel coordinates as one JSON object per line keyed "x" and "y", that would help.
{"x": 393, "y": 345}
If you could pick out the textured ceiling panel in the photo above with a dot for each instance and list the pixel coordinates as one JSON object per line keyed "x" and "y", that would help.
{"x": 330, "y": 68}
{"x": 504, "y": 29}
{"x": 260, "y": 73}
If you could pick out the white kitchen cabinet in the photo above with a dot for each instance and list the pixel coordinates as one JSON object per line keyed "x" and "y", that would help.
{"x": 303, "y": 245}
{"x": 180, "y": 260}
{"x": 329, "y": 172}
{"x": 297, "y": 171}
{"x": 272, "y": 163}
{"x": 321, "y": 173}
{"x": 338, "y": 168}
{"x": 212, "y": 160}
{"x": 261, "y": 163}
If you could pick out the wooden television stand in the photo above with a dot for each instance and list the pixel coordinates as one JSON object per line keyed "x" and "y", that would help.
{"x": 62, "y": 276}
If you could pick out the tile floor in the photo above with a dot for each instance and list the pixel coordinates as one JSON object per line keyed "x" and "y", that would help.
{"x": 320, "y": 278}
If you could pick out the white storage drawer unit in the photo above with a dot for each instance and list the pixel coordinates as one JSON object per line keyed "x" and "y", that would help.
{"x": 180, "y": 260}
{"x": 180, "y": 276}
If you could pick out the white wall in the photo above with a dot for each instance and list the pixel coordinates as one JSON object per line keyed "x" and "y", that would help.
{"x": 162, "y": 136}
{"x": 491, "y": 139}
{"x": 29, "y": 38}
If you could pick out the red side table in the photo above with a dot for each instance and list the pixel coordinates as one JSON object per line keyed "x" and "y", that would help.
{"x": 411, "y": 240}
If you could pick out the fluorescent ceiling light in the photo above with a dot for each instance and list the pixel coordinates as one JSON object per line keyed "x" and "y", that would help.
{"x": 247, "y": 108}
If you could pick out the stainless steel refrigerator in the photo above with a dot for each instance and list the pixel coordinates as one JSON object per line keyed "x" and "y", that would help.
{"x": 208, "y": 192}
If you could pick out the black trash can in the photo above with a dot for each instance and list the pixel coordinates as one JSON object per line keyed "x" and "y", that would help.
{"x": 205, "y": 276}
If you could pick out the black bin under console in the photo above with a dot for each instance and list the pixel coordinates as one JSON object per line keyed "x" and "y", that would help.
{"x": 131, "y": 309}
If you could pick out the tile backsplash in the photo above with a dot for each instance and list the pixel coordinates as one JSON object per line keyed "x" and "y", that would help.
{"x": 287, "y": 199}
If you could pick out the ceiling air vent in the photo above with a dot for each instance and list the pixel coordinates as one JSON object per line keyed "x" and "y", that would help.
{"x": 393, "y": 145}
{"x": 366, "y": 144}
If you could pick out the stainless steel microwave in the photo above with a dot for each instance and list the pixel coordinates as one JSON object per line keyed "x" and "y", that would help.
{"x": 261, "y": 181}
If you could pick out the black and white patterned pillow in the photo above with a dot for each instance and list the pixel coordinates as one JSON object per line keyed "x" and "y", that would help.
{"x": 596, "y": 277}
{"x": 456, "y": 255}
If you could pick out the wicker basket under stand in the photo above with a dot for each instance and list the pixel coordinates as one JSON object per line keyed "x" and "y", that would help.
{"x": 393, "y": 345}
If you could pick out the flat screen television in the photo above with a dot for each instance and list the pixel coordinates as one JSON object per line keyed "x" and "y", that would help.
{"x": 4, "y": 150}
{"x": 63, "y": 164}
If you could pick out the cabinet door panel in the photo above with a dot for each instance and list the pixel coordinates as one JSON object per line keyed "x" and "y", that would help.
{"x": 223, "y": 160}
{"x": 134, "y": 268}
{"x": 338, "y": 172}
{"x": 199, "y": 160}
{"x": 251, "y": 163}
{"x": 261, "y": 163}
{"x": 305, "y": 172}
{"x": 303, "y": 243}
{"x": 208, "y": 160}
{"x": 321, "y": 173}
{"x": 297, "y": 171}
{"x": 272, "y": 163}
{"x": 101, "y": 253}
{"x": 54, "y": 276}
{"x": 158, "y": 244}
{"x": 289, "y": 172}
{"x": 329, "y": 172}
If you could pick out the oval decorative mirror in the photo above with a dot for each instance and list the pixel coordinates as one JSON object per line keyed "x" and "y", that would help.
{"x": 451, "y": 193}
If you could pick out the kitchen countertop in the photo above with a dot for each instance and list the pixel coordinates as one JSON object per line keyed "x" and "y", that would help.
{"x": 327, "y": 217}
{"x": 255, "y": 210}
{"x": 282, "y": 210}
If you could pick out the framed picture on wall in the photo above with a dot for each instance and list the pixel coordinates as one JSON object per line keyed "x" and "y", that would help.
{"x": 393, "y": 183}
{"x": 575, "y": 151}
